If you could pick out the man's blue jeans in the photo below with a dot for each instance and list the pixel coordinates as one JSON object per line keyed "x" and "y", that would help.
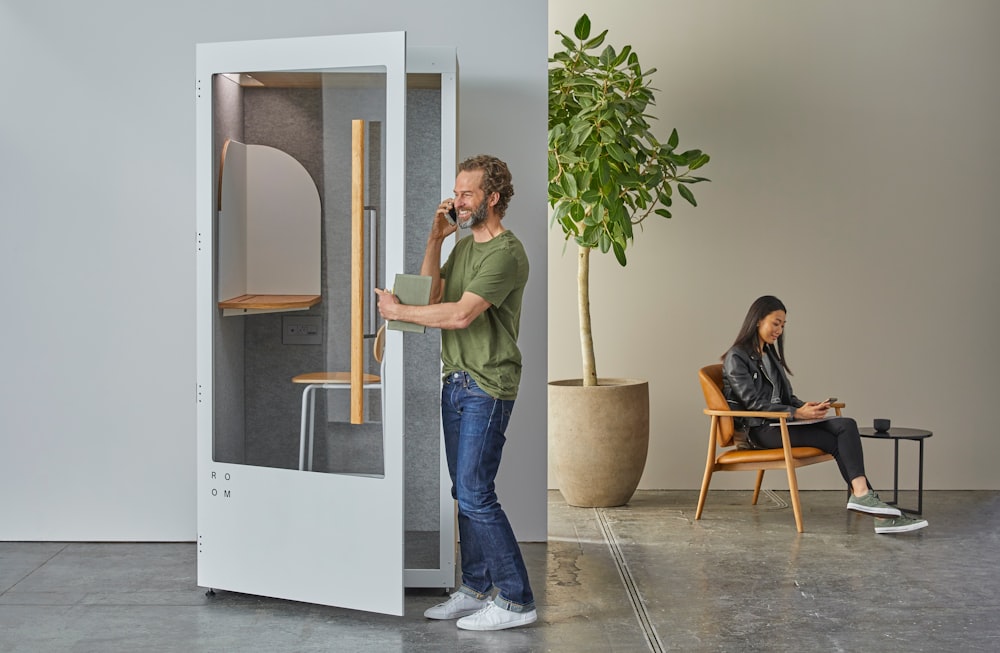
{"x": 474, "y": 425}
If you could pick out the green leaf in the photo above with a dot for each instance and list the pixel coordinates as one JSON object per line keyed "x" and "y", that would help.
{"x": 581, "y": 81}
{"x": 674, "y": 159}
{"x": 691, "y": 156}
{"x": 561, "y": 209}
{"x": 629, "y": 178}
{"x": 699, "y": 162}
{"x": 686, "y": 194}
{"x": 596, "y": 41}
{"x": 604, "y": 172}
{"x": 605, "y": 242}
{"x": 663, "y": 212}
{"x": 582, "y": 28}
{"x": 673, "y": 140}
{"x": 620, "y": 255}
{"x": 616, "y": 152}
{"x": 568, "y": 226}
{"x": 644, "y": 197}
{"x": 622, "y": 56}
{"x": 569, "y": 185}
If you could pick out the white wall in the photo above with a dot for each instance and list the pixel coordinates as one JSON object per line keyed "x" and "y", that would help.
{"x": 97, "y": 242}
{"x": 854, "y": 174}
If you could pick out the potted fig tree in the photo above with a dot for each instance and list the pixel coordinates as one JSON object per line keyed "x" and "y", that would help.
{"x": 607, "y": 173}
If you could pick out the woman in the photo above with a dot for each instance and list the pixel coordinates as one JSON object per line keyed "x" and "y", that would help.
{"x": 754, "y": 378}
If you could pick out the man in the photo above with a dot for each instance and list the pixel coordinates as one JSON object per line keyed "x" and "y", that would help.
{"x": 476, "y": 302}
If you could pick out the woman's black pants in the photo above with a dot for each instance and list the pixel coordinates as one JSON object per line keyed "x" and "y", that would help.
{"x": 838, "y": 436}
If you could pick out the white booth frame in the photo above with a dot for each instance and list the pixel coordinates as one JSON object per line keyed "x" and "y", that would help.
{"x": 331, "y": 539}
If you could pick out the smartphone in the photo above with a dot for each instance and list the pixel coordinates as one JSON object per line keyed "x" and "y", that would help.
{"x": 829, "y": 400}
{"x": 452, "y": 215}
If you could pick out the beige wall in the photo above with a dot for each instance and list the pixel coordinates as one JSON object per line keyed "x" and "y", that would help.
{"x": 855, "y": 165}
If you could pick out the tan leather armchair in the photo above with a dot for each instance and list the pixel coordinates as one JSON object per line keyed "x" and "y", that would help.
{"x": 722, "y": 435}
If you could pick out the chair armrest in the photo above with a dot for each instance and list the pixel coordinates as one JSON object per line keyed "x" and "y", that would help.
{"x": 747, "y": 413}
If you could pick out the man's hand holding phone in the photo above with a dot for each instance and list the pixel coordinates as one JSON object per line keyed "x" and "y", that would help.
{"x": 445, "y": 220}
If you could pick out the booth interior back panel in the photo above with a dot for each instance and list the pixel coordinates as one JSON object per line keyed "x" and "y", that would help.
{"x": 257, "y": 405}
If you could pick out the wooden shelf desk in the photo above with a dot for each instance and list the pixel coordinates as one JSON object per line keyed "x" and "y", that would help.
{"x": 248, "y": 304}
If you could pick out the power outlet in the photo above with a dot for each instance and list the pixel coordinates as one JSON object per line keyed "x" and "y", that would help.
{"x": 301, "y": 330}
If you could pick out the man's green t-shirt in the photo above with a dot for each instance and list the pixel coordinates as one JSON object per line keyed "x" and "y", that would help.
{"x": 497, "y": 271}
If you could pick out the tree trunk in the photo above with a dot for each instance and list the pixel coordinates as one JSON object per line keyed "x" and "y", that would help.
{"x": 583, "y": 301}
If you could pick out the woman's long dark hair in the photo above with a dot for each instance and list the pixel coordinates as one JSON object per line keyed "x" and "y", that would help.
{"x": 748, "y": 339}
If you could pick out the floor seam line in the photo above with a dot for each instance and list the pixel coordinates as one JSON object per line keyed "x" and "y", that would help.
{"x": 638, "y": 605}
{"x": 32, "y": 571}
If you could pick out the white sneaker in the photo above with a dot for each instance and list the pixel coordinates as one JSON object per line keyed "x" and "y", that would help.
{"x": 493, "y": 617}
{"x": 902, "y": 524}
{"x": 459, "y": 605}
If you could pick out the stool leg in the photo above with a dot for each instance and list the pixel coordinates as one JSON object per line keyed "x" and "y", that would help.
{"x": 303, "y": 428}
{"x": 312, "y": 426}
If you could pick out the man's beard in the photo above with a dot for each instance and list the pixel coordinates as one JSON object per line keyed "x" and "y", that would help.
{"x": 479, "y": 215}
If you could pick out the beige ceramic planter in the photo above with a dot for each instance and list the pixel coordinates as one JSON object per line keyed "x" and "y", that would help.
{"x": 599, "y": 436}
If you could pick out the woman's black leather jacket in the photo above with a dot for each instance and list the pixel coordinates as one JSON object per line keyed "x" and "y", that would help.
{"x": 747, "y": 386}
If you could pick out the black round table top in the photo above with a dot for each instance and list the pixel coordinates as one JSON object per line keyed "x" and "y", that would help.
{"x": 896, "y": 432}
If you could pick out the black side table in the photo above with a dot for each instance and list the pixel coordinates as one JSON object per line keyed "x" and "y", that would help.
{"x": 896, "y": 434}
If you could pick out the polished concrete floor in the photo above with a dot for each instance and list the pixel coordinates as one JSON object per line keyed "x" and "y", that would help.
{"x": 644, "y": 577}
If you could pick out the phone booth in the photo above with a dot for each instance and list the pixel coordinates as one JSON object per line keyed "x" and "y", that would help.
{"x": 320, "y": 162}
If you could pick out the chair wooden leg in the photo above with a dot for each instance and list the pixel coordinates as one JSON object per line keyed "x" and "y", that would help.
{"x": 793, "y": 490}
{"x": 756, "y": 489}
{"x": 704, "y": 490}
{"x": 709, "y": 467}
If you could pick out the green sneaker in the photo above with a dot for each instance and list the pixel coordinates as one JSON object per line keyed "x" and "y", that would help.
{"x": 898, "y": 524}
{"x": 871, "y": 504}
